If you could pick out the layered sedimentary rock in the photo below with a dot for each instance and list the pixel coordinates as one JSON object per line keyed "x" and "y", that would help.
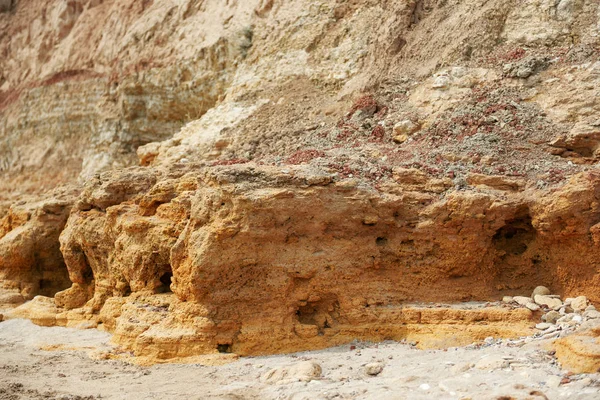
{"x": 307, "y": 169}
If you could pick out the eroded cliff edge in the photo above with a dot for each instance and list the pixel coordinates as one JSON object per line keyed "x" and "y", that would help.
{"x": 344, "y": 159}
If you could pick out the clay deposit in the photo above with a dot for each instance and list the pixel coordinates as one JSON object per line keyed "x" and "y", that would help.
{"x": 267, "y": 176}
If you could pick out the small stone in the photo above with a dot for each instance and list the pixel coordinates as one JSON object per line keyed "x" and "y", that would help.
{"x": 507, "y": 299}
{"x": 373, "y": 369}
{"x": 424, "y": 386}
{"x": 568, "y": 301}
{"x": 441, "y": 82}
{"x": 400, "y": 138}
{"x": 406, "y": 127}
{"x": 564, "y": 310}
{"x": 548, "y": 302}
{"x": 590, "y": 308}
{"x": 461, "y": 367}
{"x": 492, "y": 362}
{"x": 553, "y": 381}
{"x": 302, "y": 372}
{"x": 11, "y": 298}
{"x": 541, "y": 290}
{"x": 592, "y": 314}
{"x": 522, "y": 300}
{"x": 532, "y": 306}
{"x": 543, "y": 326}
{"x": 551, "y": 317}
{"x": 577, "y": 318}
{"x": 579, "y": 303}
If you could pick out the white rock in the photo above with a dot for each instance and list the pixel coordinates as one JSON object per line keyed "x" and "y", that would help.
{"x": 532, "y": 306}
{"x": 553, "y": 381}
{"x": 543, "y": 326}
{"x": 492, "y": 362}
{"x": 304, "y": 372}
{"x": 579, "y": 303}
{"x": 461, "y": 367}
{"x": 548, "y": 301}
{"x": 577, "y": 318}
{"x": 406, "y": 127}
{"x": 373, "y": 369}
{"x": 568, "y": 301}
{"x": 441, "y": 82}
{"x": 590, "y": 308}
{"x": 507, "y": 299}
{"x": 424, "y": 386}
{"x": 522, "y": 300}
{"x": 592, "y": 314}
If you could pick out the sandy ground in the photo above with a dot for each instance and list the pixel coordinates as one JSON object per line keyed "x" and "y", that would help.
{"x": 54, "y": 363}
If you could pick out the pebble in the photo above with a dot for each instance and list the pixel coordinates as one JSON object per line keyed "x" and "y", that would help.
{"x": 522, "y": 300}
{"x": 373, "y": 369}
{"x": 590, "y": 308}
{"x": 406, "y": 127}
{"x": 592, "y": 314}
{"x": 553, "y": 381}
{"x": 507, "y": 299}
{"x": 551, "y": 317}
{"x": 541, "y": 290}
{"x": 492, "y": 362}
{"x": 461, "y": 367}
{"x": 424, "y": 386}
{"x": 548, "y": 301}
{"x": 579, "y": 303}
{"x": 543, "y": 326}
{"x": 532, "y": 306}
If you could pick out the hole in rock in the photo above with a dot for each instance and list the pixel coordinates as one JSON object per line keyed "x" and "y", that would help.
{"x": 321, "y": 313}
{"x": 224, "y": 348}
{"x": 515, "y": 236}
{"x": 165, "y": 279}
{"x": 381, "y": 241}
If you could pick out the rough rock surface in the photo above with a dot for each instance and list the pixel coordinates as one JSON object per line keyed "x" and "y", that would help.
{"x": 303, "y": 176}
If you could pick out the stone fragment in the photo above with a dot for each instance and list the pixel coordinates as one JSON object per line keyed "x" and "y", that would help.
{"x": 592, "y": 314}
{"x": 492, "y": 362}
{"x": 305, "y": 371}
{"x": 579, "y": 303}
{"x": 548, "y": 302}
{"x": 551, "y": 317}
{"x": 406, "y": 127}
{"x": 441, "y": 82}
{"x": 522, "y": 300}
{"x": 553, "y": 381}
{"x": 532, "y": 306}
{"x": 461, "y": 367}
{"x": 507, "y": 299}
{"x": 590, "y": 308}
{"x": 541, "y": 290}
{"x": 373, "y": 369}
{"x": 543, "y": 326}
{"x": 11, "y": 298}
{"x": 400, "y": 138}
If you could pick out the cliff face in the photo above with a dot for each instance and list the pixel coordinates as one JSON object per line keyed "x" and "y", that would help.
{"x": 306, "y": 169}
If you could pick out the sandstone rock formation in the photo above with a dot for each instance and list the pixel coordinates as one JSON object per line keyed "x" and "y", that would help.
{"x": 275, "y": 207}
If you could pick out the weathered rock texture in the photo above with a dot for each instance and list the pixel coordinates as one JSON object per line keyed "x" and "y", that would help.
{"x": 336, "y": 161}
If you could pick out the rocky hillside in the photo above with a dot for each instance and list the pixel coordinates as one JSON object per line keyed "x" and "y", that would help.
{"x": 268, "y": 175}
